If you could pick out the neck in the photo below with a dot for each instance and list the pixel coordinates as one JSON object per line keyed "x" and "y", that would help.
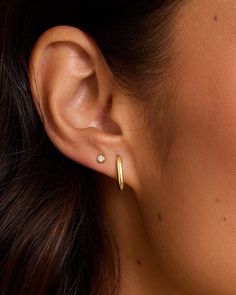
{"x": 139, "y": 270}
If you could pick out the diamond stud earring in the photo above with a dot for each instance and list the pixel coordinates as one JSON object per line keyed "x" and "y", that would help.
{"x": 101, "y": 159}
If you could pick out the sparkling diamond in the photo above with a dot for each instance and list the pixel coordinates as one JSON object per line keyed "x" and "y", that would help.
{"x": 101, "y": 159}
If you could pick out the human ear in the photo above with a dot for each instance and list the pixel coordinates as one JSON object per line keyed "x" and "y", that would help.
{"x": 77, "y": 99}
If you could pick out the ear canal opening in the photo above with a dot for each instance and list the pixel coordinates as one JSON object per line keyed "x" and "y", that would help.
{"x": 111, "y": 127}
{"x": 106, "y": 123}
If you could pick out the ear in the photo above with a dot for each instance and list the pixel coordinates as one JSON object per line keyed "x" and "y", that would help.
{"x": 78, "y": 100}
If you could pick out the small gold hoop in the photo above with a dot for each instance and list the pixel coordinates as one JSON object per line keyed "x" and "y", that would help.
{"x": 120, "y": 176}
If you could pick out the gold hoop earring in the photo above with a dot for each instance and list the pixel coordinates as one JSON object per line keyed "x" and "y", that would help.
{"x": 120, "y": 176}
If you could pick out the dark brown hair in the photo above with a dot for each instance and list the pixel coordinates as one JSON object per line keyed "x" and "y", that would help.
{"x": 52, "y": 232}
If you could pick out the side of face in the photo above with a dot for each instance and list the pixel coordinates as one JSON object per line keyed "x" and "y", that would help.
{"x": 183, "y": 165}
{"x": 189, "y": 196}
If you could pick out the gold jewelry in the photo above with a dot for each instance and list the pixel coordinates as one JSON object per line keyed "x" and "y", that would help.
{"x": 101, "y": 158}
{"x": 120, "y": 176}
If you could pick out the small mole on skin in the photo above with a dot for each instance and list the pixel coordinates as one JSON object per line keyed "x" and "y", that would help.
{"x": 225, "y": 219}
{"x": 159, "y": 216}
{"x": 215, "y": 18}
{"x": 138, "y": 262}
{"x": 218, "y": 200}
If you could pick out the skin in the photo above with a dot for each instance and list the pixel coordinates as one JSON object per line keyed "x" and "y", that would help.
{"x": 187, "y": 200}
{"x": 175, "y": 222}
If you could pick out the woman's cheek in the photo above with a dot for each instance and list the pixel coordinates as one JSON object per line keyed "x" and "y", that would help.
{"x": 196, "y": 237}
